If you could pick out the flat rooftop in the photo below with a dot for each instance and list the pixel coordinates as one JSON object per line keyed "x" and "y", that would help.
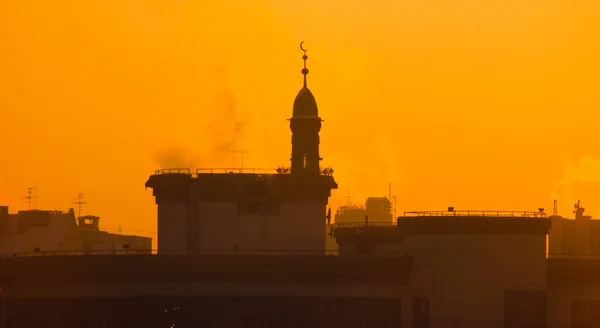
{"x": 228, "y": 183}
{"x": 446, "y": 222}
{"x": 477, "y": 213}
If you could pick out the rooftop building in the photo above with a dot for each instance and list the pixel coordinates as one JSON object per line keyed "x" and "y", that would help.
{"x": 35, "y": 231}
{"x": 279, "y": 209}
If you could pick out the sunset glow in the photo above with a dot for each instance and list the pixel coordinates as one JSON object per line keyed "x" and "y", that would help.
{"x": 472, "y": 104}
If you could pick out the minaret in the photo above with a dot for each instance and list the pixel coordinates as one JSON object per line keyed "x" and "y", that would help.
{"x": 305, "y": 125}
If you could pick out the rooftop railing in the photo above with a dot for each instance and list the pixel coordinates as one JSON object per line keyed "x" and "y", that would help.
{"x": 173, "y": 171}
{"x": 366, "y": 224}
{"x": 280, "y": 170}
{"x": 497, "y": 214}
{"x": 235, "y": 171}
{"x": 210, "y": 252}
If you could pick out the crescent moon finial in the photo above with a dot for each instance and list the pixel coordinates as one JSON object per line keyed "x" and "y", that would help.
{"x": 302, "y": 47}
{"x": 305, "y": 57}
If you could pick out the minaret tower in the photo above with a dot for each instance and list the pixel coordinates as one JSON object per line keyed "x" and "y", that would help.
{"x": 305, "y": 125}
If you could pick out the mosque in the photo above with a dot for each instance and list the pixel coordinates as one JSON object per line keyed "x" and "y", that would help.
{"x": 433, "y": 269}
{"x": 282, "y": 210}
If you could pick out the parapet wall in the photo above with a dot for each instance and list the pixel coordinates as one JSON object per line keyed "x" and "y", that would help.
{"x": 16, "y": 273}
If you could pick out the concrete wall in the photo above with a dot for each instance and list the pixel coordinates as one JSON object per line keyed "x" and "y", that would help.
{"x": 465, "y": 276}
{"x": 572, "y": 281}
{"x": 172, "y": 226}
{"x": 291, "y": 215}
{"x": 218, "y": 306}
{"x": 299, "y": 226}
{"x": 95, "y": 240}
{"x": 129, "y": 289}
{"x": 556, "y": 236}
{"x": 574, "y": 236}
{"x": 560, "y": 300}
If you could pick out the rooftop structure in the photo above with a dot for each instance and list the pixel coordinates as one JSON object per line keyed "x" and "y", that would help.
{"x": 41, "y": 230}
{"x": 465, "y": 260}
{"x": 471, "y": 213}
{"x": 579, "y": 236}
{"x": 376, "y": 209}
{"x": 283, "y": 208}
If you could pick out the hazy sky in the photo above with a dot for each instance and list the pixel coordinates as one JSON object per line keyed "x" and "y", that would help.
{"x": 475, "y": 104}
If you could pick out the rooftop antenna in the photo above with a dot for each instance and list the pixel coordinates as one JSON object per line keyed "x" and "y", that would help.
{"x": 31, "y": 198}
{"x": 555, "y": 210}
{"x": 579, "y": 210}
{"x": 239, "y": 128}
{"x": 349, "y": 197}
{"x": 392, "y": 200}
{"x": 79, "y": 202}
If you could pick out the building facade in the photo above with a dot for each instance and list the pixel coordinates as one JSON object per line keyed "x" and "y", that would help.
{"x": 473, "y": 269}
{"x": 36, "y": 231}
{"x": 207, "y": 291}
{"x": 579, "y": 236}
{"x": 28, "y": 231}
{"x": 94, "y": 240}
{"x": 376, "y": 209}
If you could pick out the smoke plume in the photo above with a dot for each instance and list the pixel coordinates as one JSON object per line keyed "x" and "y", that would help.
{"x": 178, "y": 157}
{"x": 220, "y": 139}
{"x": 224, "y": 125}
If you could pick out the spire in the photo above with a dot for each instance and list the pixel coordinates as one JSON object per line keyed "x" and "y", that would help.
{"x": 305, "y": 103}
{"x": 305, "y": 57}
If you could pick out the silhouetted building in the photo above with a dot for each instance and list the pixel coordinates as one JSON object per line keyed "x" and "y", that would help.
{"x": 32, "y": 230}
{"x": 56, "y": 231}
{"x": 458, "y": 269}
{"x": 376, "y": 209}
{"x": 283, "y": 209}
{"x": 574, "y": 237}
{"x": 472, "y": 269}
{"x": 93, "y": 239}
{"x": 217, "y": 291}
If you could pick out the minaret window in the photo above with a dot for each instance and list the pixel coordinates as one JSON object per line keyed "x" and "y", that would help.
{"x": 305, "y": 163}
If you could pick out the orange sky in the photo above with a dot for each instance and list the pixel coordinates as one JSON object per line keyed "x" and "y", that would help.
{"x": 476, "y": 104}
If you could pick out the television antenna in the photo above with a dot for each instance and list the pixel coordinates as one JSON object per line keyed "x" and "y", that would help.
{"x": 392, "y": 200}
{"x": 240, "y": 129}
{"x": 348, "y": 197}
{"x": 31, "y": 198}
{"x": 80, "y": 203}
